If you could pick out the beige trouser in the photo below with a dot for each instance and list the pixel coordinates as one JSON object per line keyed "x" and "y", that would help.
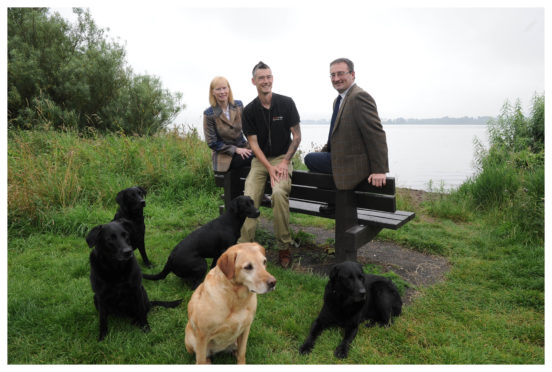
{"x": 254, "y": 188}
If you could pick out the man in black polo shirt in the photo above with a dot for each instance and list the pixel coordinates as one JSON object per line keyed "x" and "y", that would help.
{"x": 271, "y": 124}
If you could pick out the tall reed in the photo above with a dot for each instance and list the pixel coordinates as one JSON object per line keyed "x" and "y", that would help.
{"x": 50, "y": 170}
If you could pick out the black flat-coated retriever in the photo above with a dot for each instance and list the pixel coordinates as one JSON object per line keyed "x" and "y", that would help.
{"x": 131, "y": 207}
{"x": 116, "y": 277}
{"x": 187, "y": 259}
{"x": 351, "y": 297}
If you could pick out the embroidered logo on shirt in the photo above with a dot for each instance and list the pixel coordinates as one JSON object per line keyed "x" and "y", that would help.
{"x": 276, "y": 118}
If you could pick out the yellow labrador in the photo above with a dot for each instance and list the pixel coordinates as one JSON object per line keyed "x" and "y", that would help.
{"x": 222, "y": 308}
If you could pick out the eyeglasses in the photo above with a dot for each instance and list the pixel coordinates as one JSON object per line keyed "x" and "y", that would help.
{"x": 339, "y": 74}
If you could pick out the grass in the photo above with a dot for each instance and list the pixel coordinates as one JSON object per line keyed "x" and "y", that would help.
{"x": 488, "y": 310}
{"x": 472, "y": 317}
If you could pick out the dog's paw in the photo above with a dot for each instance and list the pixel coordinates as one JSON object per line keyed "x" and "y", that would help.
{"x": 370, "y": 324}
{"x": 341, "y": 352}
{"x": 306, "y": 348}
{"x": 146, "y": 328}
{"x": 103, "y": 333}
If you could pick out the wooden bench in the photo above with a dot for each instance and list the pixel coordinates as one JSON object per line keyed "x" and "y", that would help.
{"x": 360, "y": 214}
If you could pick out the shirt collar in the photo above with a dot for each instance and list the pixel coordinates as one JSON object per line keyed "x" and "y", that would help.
{"x": 218, "y": 110}
{"x": 344, "y": 94}
{"x": 273, "y": 102}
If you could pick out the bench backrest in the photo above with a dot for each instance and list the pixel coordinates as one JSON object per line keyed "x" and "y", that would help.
{"x": 318, "y": 187}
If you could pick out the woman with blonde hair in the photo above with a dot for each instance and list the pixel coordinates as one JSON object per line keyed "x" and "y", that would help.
{"x": 222, "y": 126}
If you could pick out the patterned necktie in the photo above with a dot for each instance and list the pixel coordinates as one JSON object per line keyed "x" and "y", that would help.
{"x": 334, "y": 116}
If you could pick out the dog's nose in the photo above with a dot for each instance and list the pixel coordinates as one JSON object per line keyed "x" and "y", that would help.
{"x": 271, "y": 283}
{"x": 127, "y": 253}
{"x": 143, "y": 203}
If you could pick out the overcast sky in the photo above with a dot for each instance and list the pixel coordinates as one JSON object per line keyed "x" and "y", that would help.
{"x": 415, "y": 62}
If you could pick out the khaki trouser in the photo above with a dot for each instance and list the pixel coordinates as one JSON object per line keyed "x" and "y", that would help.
{"x": 254, "y": 188}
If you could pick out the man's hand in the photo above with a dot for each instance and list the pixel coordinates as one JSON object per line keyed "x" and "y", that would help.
{"x": 279, "y": 172}
{"x": 377, "y": 179}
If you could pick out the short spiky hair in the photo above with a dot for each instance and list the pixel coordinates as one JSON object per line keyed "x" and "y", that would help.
{"x": 259, "y": 66}
{"x": 350, "y": 64}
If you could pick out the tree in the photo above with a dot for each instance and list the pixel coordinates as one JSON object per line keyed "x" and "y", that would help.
{"x": 69, "y": 75}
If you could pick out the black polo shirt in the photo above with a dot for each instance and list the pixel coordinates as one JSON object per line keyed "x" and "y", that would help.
{"x": 272, "y": 127}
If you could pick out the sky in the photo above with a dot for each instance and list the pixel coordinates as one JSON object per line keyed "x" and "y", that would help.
{"x": 417, "y": 61}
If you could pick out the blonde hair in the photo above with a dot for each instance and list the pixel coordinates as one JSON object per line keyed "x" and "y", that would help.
{"x": 212, "y": 99}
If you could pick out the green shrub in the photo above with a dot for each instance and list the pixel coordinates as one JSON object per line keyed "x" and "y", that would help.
{"x": 510, "y": 182}
{"x": 493, "y": 186}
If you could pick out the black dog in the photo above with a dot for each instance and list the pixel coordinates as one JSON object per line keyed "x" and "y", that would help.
{"x": 350, "y": 298}
{"x": 187, "y": 259}
{"x": 116, "y": 277}
{"x": 131, "y": 207}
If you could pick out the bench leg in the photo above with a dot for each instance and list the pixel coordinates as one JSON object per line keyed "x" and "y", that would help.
{"x": 349, "y": 235}
{"x": 359, "y": 235}
{"x": 345, "y": 218}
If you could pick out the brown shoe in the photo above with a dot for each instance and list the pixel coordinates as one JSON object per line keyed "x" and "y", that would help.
{"x": 284, "y": 258}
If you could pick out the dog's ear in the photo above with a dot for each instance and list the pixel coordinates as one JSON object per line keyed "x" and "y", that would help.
{"x": 92, "y": 237}
{"x": 143, "y": 191}
{"x": 234, "y": 205}
{"x": 120, "y": 197}
{"x": 260, "y": 248}
{"x": 227, "y": 262}
{"x": 333, "y": 273}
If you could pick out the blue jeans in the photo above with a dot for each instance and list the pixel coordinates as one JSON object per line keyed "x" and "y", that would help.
{"x": 320, "y": 162}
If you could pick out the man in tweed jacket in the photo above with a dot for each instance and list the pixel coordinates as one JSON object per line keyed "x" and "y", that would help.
{"x": 357, "y": 144}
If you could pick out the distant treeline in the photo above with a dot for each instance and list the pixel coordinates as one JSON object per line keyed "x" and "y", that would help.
{"x": 443, "y": 120}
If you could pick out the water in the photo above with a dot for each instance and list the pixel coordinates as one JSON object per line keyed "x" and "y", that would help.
{"x": 420, "y": 154}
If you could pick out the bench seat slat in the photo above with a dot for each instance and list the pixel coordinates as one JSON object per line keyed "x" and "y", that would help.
{"x": 389, "y": 220}
{"x": 388, "y": 189}
{"x": 364, "y": 200}
{"x": 312, "y": 194}
{"x": 380, "y": 202}
{"x": 306, "y": 178}
{"x": 305, "y": 207}
{"x": 399, "y": 215}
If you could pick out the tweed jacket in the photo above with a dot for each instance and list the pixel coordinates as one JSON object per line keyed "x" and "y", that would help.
{"x": 223, "y": 136}
{"x": 358, "y": 141}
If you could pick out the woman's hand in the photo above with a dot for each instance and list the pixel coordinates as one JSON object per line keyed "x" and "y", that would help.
{"x": 243, "y": 152}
